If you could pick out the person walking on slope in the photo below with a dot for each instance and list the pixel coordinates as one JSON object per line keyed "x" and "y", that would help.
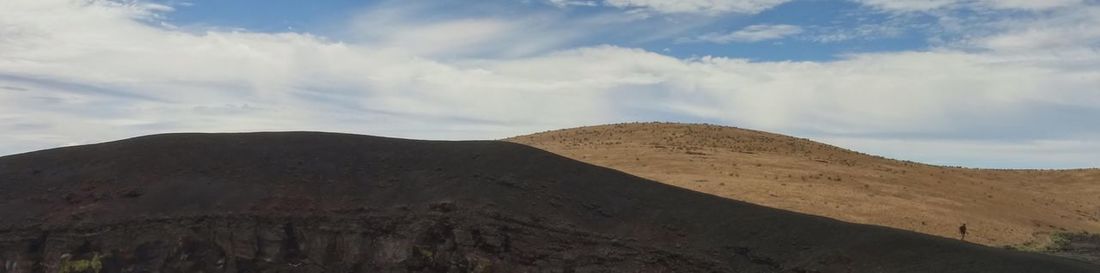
{"x": 962, "y": 231}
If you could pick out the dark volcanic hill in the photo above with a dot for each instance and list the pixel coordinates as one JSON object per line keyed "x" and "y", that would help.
{"x": 315, "y": 202}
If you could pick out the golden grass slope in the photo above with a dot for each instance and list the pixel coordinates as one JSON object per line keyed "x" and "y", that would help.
{"x": 1000, "y": 207}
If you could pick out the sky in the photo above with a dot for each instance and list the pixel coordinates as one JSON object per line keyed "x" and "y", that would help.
{"x": 974, "y": 83}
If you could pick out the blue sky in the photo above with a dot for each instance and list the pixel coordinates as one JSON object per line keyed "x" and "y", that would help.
{"x": 817, "y": 21}
{"x": 980, "y": 83}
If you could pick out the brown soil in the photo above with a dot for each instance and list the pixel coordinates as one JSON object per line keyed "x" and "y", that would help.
{"x": 313, "y": 202}
{"x": 1000, "y": 207}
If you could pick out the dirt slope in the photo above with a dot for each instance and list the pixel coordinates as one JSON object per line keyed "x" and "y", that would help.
{"x": 1000, "y": 207}
{"x": 310, "y": 202}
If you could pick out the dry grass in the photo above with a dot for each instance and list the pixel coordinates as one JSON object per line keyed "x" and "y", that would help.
{"x": 1000, "y": 207}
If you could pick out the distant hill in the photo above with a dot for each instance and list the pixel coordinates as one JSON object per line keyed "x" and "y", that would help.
{"x": 1019, "y": 208}
{"x": 317, "y": 202}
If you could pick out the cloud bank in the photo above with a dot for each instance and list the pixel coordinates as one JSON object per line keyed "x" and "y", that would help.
{"x": 99, "y": 70}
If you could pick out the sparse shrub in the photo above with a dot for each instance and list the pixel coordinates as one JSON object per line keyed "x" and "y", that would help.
{"x": 1057, "y": 242}
{"x": 95, "y": 264}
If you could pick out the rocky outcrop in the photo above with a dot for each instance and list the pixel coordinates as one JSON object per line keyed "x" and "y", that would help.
{"x": 402, "y": 241}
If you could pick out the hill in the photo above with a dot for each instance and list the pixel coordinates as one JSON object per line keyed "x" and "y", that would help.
{"x": 1018, "y": 208}
{"x": 315, "y": 202}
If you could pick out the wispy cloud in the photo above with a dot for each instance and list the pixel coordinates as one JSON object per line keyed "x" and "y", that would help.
{"x": 859, "y": 32}
{"x": 749, "y": 34}
{"x": 445, "y": 30}
{"x": 706, "y": 7}
{"x": 566, "y": 3}
{"x": 930, "y": 5}
{"x": 908, "y": 5}
{"x": 1070, "y": 30}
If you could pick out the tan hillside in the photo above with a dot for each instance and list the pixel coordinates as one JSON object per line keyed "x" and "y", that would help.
{"x": 1000, "y": 207}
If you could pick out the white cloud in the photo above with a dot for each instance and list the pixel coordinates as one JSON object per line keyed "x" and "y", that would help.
{"x": 1067, "y": 31}
{"x": 1031, "y": 4}
{"x": 699, "y": 6}
{"x": 860, "y": 32}
{"x": 100, "y": 71}
{"x": 753, "y": 33}
{"x": 449, "y": 36}
{"x": 909, "y": 5}
{"x": 928, "y": 5}
{"x": 566, "y": 3}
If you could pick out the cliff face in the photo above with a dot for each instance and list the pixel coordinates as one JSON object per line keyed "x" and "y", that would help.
{"x": 440, "y": 240}
{"x": 310, "y": 202}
